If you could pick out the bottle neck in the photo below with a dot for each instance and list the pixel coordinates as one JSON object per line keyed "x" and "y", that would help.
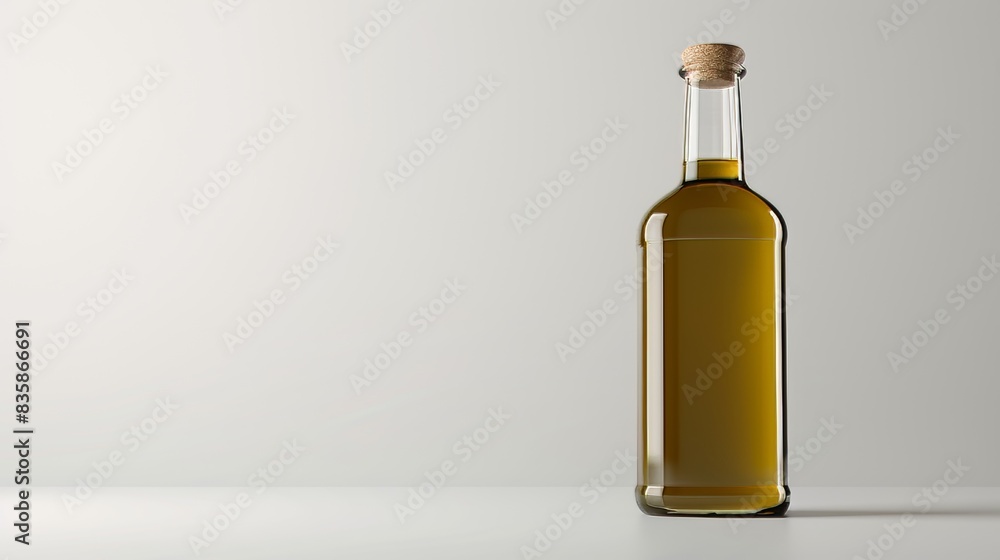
{"x": 713, "y": 134}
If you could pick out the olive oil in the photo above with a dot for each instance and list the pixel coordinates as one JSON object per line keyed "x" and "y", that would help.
{"x": 712, "y": 416}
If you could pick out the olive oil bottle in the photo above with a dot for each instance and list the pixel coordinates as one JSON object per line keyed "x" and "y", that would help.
{"x": 712, "y": 350}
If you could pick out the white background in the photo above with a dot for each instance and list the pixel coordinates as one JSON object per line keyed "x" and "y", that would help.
{"x": 162, "y": 337}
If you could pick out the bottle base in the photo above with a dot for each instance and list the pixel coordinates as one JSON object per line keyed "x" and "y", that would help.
{"x": 748, "y": 501}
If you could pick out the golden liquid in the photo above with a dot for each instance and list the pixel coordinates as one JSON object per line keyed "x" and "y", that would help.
{"x": 711, "y": 404}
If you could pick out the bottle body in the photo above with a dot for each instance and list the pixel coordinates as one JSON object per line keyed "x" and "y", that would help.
{"x": 712, "y": 410}
{"x": 712, "y": 434}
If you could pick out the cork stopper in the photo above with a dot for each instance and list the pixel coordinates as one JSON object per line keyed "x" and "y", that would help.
{"x": 713, "y": 65}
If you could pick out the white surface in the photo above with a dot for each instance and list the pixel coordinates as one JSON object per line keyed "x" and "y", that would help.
{"x": 161, "y": 337}
{"x": 494, "y": 523}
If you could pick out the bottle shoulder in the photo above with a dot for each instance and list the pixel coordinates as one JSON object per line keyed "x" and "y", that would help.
{"x": 712, "y": 209}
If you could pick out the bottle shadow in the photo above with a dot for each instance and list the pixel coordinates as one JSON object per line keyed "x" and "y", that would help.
{"x": 974, "y": 512}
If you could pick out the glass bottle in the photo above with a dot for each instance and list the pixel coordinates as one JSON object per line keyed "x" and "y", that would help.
{"x": 712, "y": 435}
